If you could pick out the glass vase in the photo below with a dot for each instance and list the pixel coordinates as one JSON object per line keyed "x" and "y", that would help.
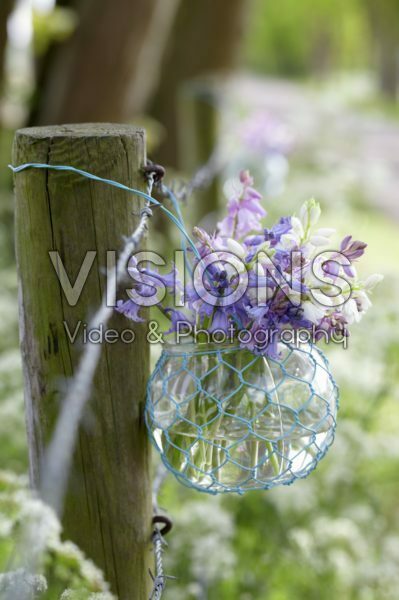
{"x": 226, "y": 420}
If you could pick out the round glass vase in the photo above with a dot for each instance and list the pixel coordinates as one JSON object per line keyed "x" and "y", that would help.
{"x": 226, "y": 420}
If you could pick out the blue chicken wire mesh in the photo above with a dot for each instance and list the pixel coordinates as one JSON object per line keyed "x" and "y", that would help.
{"x": 226, "y": 420}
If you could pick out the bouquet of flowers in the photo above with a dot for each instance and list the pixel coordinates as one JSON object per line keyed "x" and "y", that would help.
{"x": 254, "y": 283}
{"x": 235, "y": 402}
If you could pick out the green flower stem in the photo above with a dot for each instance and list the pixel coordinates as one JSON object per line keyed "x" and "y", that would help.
{"x": 254, "y": 445}
{"x": 273, "y": 458}
{"x": 207, "y": 453}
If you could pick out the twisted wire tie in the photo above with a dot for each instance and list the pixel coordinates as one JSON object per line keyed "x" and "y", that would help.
{"x": 159, "y": 542}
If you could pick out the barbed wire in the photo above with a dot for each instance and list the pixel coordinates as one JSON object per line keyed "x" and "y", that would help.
{"x": 158, "y": 539}
{"x": 160, "y": 578}
{"x": 201, "y": 179}
{"x": 58, "y": 456}
{"x": 159, "y": 479}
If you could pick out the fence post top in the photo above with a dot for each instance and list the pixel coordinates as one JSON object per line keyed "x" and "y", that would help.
{"x": 82, "y": 130}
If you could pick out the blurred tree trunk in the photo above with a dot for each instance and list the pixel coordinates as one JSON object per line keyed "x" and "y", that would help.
{"x": 205, "y": 40}
{"x": 384, "y": 22}
{"x": 6, "y": 7}
{"x": 389, "y": 67}
{"x": 42, "y": 64}
{"x": 106, "y": 70}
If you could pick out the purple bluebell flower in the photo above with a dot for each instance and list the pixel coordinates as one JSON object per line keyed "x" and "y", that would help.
{"x": 258, "y": 313}
{"x": 274, "y": 234}
{"x": 178, "y": 317}
{"x": 244, "y": 211}
{"x": 352, "y": 250}
{"x": 130, "y": 309}
{"x": 294, "y": 316}
{"x": 169, "y": 280}
{"x": 254, "y": 240}
{"x": 262, "y": 341}
{"x": 220, "y": 321}
{"x": 331, "y": 268}
{"x": 205, "y": 242}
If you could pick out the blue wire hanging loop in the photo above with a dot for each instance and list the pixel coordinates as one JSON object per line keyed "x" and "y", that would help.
{"x": 176, "y": 220}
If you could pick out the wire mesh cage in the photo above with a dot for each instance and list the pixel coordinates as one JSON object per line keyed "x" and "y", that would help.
{"x": 227, "y": 420}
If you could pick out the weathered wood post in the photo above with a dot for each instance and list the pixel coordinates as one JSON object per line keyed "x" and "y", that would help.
{"x": 108, "y": 502}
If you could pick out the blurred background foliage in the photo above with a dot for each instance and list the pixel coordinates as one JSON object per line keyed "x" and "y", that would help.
{"x": 305, "y": 94}
{"x": 298, "y": 39}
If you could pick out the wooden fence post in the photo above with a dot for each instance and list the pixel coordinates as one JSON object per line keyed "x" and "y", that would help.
{"x": 108, "y": 503}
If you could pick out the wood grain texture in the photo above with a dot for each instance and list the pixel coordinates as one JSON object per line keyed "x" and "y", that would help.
{"x": 108, "y": 505}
